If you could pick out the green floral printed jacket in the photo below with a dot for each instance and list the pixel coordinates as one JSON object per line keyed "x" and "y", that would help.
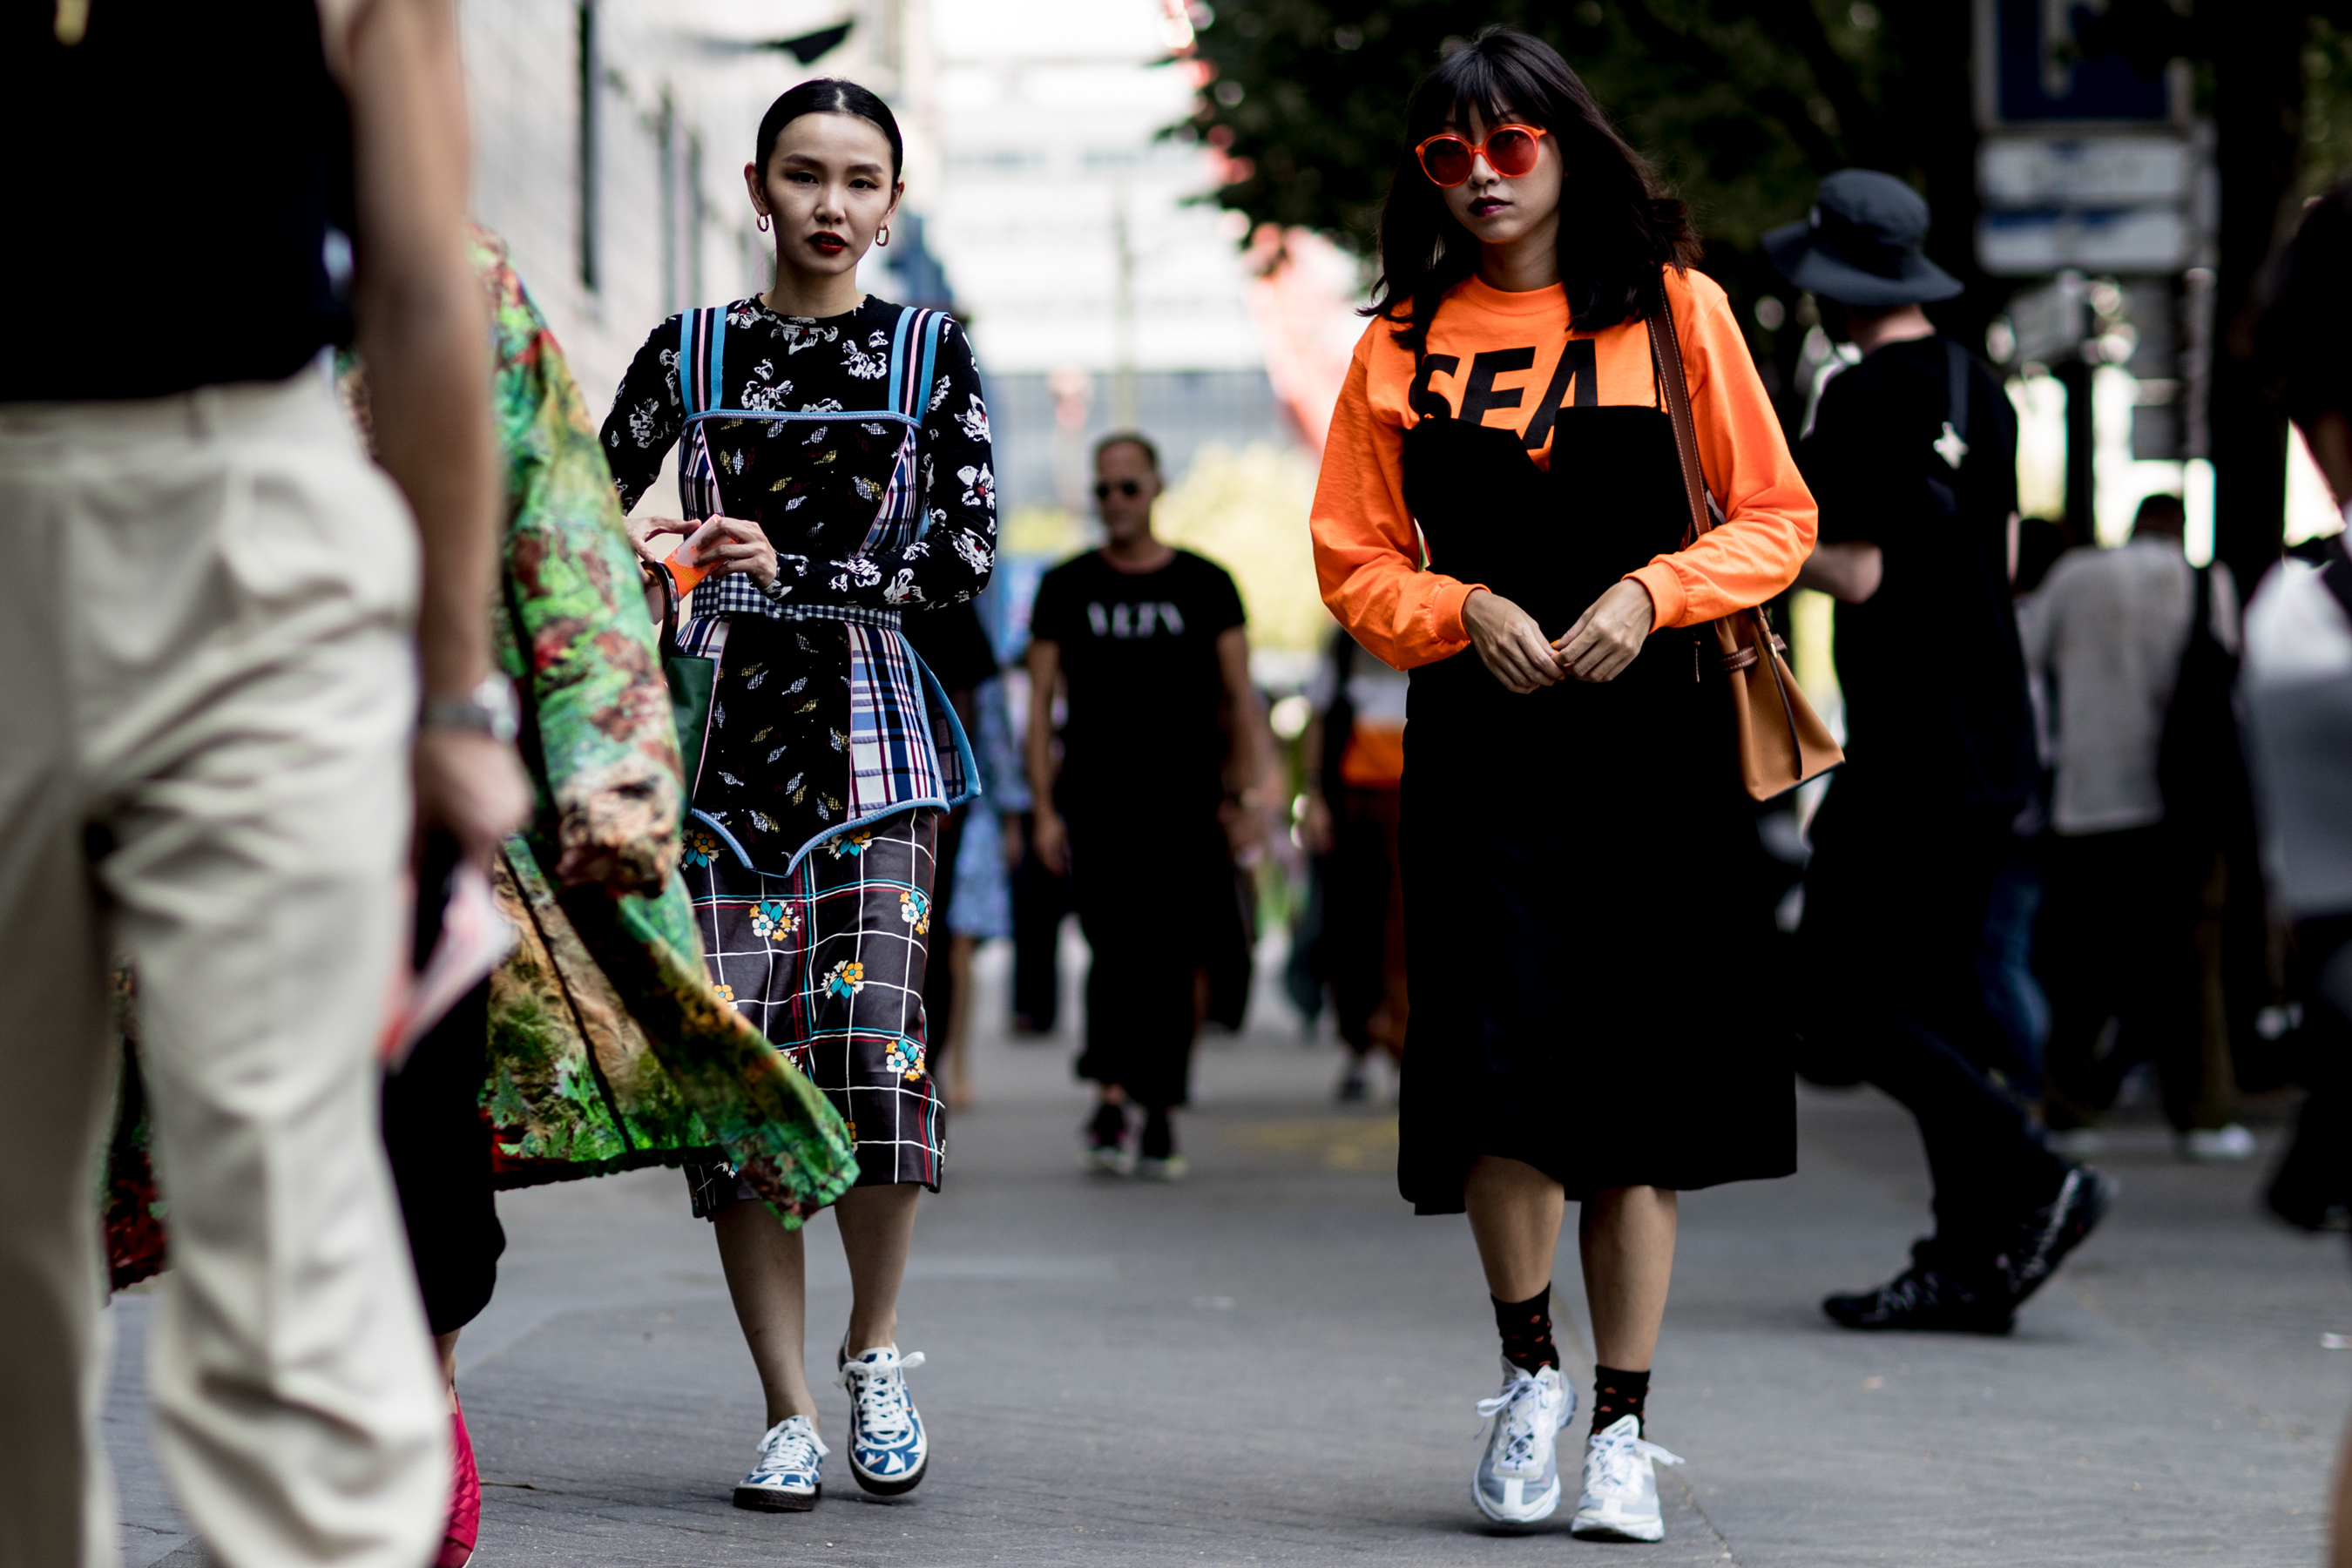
{"x": 609, "y": 1047}
{"x": 632, "y": 1059}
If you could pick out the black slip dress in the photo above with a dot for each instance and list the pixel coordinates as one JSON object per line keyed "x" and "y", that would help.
{"x": 1588, "y": 971}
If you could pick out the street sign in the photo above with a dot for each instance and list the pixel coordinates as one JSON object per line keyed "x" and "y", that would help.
{"x": 2083, "y": 170}
{"x": 2030, "y": 70}
{"x": 2037, "y": 241}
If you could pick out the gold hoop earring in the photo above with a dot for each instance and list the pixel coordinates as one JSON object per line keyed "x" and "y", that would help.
{"x": 762, "y": 223}
{"x": 882, "y": 236}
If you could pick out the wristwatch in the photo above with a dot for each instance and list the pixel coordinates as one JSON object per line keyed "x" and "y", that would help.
{"x": 489, "y": 708}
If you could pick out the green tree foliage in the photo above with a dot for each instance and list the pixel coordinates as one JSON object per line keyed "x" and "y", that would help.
{"x": 1742, "y": 104}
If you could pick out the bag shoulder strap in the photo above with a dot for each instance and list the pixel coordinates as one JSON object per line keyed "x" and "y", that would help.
{"x": 914, "y": 359}
{"x": 1666, "y": 353}
{"x": 702, "y": 359}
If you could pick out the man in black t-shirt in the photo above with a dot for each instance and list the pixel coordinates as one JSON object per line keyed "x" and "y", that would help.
{"x": 1912, "y": 456}
{"x": 1147, "y": 644}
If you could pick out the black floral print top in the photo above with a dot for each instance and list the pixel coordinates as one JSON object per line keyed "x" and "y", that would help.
{"x": 776, "y": 767}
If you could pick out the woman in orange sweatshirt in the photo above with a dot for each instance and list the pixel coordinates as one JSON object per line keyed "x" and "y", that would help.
{"x": 1501, "y": 511}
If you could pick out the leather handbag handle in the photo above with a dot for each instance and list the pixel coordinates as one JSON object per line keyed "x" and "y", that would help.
{"x": 1666, "y": 353}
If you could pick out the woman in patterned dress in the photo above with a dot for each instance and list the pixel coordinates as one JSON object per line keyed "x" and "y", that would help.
{"x": 835, "y": 475}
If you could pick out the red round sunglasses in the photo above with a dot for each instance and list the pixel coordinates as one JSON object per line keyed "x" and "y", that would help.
{"x": 1509, "y": 150}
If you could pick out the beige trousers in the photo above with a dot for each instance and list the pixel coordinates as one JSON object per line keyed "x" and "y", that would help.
{"x": 207, "y": 689}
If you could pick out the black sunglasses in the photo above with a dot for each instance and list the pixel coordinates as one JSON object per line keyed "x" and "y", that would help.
{"x": 1130, "y": 488}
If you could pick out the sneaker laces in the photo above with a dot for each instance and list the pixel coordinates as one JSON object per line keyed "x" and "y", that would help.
{"x": 885, "y": 1413}
{"x": 1520, "y": 1425}
{"x": 2029, "y": 1264}
{"x": 792, "y": 1444}
{"x": 1618, "y": 1451}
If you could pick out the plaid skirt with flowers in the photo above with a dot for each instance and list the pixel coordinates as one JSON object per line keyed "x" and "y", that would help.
{"x": 828, "y": 963}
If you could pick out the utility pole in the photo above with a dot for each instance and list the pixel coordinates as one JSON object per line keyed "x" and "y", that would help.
{"x": 1123, "y": 410}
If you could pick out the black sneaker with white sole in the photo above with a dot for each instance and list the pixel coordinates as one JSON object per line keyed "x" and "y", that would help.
{"x": 1105, "y": 1140}
{"x": 1922, "y": 1300}
{"x": 1927, "y": 1299}
{"x": 2044, "y": 1237}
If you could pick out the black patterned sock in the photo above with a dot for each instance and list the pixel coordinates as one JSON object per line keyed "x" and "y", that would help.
{"x": 1618, "y": 1393}
{"x": 1525, "y": 1327}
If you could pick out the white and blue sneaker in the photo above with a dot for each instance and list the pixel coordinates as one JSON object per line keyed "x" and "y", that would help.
{"x": 887, "y": 1450}
{"x": 787, "y": 1476}
{"x": 1517, "y": 1480}
{"x": 1620, "y": 1486}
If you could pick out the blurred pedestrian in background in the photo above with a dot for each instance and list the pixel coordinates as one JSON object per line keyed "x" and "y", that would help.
{"x": 1913, "y": 457}
{"x": 2133, "y": 877}
{"x": 985, "y": 866}
{"x": 1570, "y": 792}
{"x": 213, "y": 625}
{"x": 1355, "y": 770}
{"x": 2297, "y": 689}
{"x": 1041, "y": 906}
{"x": 834, "y": 471}
{"x": 1151, "y": 797}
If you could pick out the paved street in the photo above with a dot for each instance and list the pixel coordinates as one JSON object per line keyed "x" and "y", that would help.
{"x": 1275, "y": 1362}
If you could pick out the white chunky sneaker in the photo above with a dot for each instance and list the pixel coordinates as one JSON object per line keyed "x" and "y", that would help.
{"x": 1517, "y": 1479}
{"x": 785, "y": 1478}
{"x": 887, "y": 1450}
{"x": 1621, "y": 1486}
{"x": 2206, "y": 1145}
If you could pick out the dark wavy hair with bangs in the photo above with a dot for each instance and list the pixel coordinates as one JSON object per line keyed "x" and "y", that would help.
{"x": 1617, "y": 228}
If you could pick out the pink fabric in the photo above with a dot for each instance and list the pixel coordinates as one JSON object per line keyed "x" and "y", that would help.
{"x": 465, "y": 1500}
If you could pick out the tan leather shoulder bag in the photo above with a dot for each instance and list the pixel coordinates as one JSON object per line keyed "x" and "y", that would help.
{"x": 1781, "y": 742}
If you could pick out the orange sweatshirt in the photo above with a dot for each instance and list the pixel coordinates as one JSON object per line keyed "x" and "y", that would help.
{"x": 1368, "y": 553}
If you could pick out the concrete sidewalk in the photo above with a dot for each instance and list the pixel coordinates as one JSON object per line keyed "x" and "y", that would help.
{"x": 1275, "y": 1362}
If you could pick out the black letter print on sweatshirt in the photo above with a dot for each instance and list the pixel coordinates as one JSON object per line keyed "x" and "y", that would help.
{"x": 1575, "y": 359}
{"x": 1479, "y": 395}
{"x": 1431, "y": 404}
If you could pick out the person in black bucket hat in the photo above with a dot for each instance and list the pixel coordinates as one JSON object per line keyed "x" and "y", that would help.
{"x": 1860, "y": 245}
{"x": 1911, "y": 454}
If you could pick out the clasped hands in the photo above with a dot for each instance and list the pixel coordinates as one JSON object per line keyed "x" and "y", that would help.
{"x": 1598, "y": 648}
{"x": 732, "y": 544}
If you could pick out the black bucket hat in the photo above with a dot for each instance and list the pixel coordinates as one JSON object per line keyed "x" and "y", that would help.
{"x": 1861, "y": 244}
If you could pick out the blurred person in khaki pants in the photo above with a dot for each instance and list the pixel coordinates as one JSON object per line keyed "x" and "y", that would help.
{"x": 211, "y": 627}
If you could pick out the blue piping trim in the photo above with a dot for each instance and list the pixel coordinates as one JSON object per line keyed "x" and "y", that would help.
{"x": 898, "y": 350}
{"x": 717, "y": 353}
{"x": 686, "y": 359}
{"x": 932, "y": 331}
{"x": 713, "y": 823}
{"x": 779, "y": 414}
{"x": 934, "y": 692}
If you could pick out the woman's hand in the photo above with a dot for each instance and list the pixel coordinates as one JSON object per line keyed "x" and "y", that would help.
{"x": 1509, "y": 643}
{"x": 650, "y": 535}
{"x": 736, "y": 545}
{"x": 1605, "y": 638}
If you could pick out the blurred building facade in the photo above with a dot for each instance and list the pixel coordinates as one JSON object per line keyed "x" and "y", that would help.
{"x": 1044, "y": 204}
{"x": 610, "y": 138}
{"x": 1101, "y": 295}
